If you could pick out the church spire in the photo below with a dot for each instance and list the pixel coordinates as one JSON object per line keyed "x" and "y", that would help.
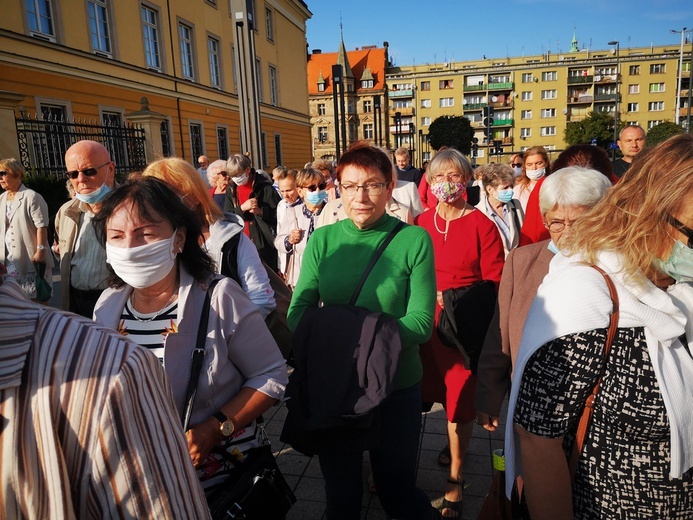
{"x": 342, "y": 58}
{"x": 574, "y": 43}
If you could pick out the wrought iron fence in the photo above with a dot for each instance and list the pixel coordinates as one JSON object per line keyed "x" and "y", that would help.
{"x": 43, "y": 143}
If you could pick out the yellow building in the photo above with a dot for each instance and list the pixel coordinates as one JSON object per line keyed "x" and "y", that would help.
{"x": 534, "y": 97}
{"x": 96, "y": 60}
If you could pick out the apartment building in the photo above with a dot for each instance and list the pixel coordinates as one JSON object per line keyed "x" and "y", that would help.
{"x": 364, "y": 98}
{"x": 534, "y": 97}
{"x": 172, "y": 70}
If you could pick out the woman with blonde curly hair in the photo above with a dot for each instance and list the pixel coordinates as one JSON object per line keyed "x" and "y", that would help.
{"x": 638, "y": 453}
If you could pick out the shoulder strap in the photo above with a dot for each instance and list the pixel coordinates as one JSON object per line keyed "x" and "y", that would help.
{"x": 586, "y": 417}
{"x": 374, "y": 261}
{"x": 513, "y": 209}
{"x": 198, "y": 356}
{"x": 229, "y": 257}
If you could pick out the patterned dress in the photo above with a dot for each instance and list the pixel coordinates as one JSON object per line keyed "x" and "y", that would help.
{"x": 624, "y": 467}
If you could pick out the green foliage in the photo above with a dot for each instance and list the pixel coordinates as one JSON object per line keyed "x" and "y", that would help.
{"x": 599, "y": 125}
{"x": 452, "y": 131}
{"x": 662, "y": 132}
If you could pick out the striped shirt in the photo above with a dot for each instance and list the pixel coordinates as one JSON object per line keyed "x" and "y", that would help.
{"x": 89, "y": 269}
{"x": 89, "y": 428}
{"x": 149, "y": 330}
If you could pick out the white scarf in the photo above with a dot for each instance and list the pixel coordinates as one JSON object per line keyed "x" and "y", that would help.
{"x": 575, "y": 298}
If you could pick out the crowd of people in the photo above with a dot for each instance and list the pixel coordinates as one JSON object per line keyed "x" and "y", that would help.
{"x": 586, "y": 270}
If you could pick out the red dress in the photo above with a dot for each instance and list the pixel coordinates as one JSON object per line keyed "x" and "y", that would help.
{"x": 472, "y": 251}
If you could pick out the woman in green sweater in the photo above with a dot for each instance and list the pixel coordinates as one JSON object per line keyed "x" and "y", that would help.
{"x": 401, "y": 285}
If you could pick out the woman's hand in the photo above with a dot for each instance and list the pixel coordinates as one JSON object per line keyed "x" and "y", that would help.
{"x": 489, "y": 422}
{"x": 201, "y": 439}
{"x": 252, "y": 206}
{"x": 295, "y": 236}
{"x": 39, "y": 256}
{"x": 439, "y": 296}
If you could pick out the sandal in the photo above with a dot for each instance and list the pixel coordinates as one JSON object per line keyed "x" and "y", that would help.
{"x": 444, "y": 456}
{"x": 455, "y": 507}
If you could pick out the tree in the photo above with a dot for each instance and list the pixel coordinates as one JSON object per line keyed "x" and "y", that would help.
{"x": 662, "y": 132}
{"x": 453, "y": 131}
{"x": 597, "y": 125}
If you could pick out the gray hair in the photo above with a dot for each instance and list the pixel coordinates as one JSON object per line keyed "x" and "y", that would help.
{"x": 572, "y": 186}
{"x": 493, "y": 175}
{"x": 449, "y": 157}
{"x": 237, "y": 164}
{"x": 213, "y": 170}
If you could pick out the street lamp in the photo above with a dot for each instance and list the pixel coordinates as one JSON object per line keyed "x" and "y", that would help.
{"x": 398, "y": 129}
{"x": 678, "y": 85}
{"x": 618, "y": 95}
{"x": 411, "y": 139}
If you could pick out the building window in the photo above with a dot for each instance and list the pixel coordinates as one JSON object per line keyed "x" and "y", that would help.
{"x": 634, "y": 70}
{"x": 651, "y": 124}
{"x": 632, "y": 107}
{"x": 40, "y": 18}
{"x": 166, "y": 138}
{"x": 425, "y": 121}
{"x": 447, "y": 102}
{"x": 150, "y": 31}
{"x": 366, "y": 83}
{"x": 527, "y": 77}
{"x": 425, "y": 85}
{"x": 98, "y": 26}
{"x": 368, "y": 131}
{"x": 196, "y": 141}
{"x": 322, "y": 134}
{"x": 445, "y": 84}
{"x": 321, "y": 87}
{"x": 656, "y": 87}
{"x": 425, "y": 103}
{"x": 258, "y": 73}
{"x": 634, "y": 89}
{"x": 214, "y": 69}
{"x": 402, "y": 103}
{"x": 367, "y": 106}
{"x": 526, "y": 114}
{"x": 548, "y": 112}
{"x": 185, "y": 36}
{"x": 222, "y": 142}
{"x": 278, "y": 149}
{"x": 269, "y": 26}
{"x": 527, "y": 96}
{"x": 274, "y": 88}
{"x": 551, "y": 75}
{"x": 525, "y": 132}
{"x": 549, "y": 94}
{"x": 321, "y": 109}
{"x": 548, "y": 130}
{"x": 658, "y": 68}
{"x": 655, "y": 106}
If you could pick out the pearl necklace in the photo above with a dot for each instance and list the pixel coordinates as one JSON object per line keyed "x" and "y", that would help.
{"x": 147, "y": 320}
{"x": 447, "y": 222}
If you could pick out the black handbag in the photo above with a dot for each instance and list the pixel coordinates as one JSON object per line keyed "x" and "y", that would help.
{"x": 256, "y": 490}
{"x": 465, "y": 317}
{"x": 43, "y": 289}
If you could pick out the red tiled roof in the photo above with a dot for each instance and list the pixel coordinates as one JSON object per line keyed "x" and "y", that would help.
{"x": 374, "y": 59}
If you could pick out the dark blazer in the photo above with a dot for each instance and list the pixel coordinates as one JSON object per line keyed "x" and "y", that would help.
{"x": 524, "y": 270}
{"x": 262, "y": 228}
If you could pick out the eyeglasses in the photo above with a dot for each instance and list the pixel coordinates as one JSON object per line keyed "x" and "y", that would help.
{"x": 518, "y": 165}
{"x": 452, "y": 177}
{"x": 314, "y": 187}
{"x": 683, "y": 229}
{"x": 223, "y": 173}
{"x": 88, "y": 172}
{"x": 372, "y": 188}
{"x": 556, "y": 226}
{"x": 3, "y": 173}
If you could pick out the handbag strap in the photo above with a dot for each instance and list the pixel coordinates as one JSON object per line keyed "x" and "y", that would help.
{"x": 198, "y": 356}
{"x": 374, "y": 261}
{"x": 586, "y": 417}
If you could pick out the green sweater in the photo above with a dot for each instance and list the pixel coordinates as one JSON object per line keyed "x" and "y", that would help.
{"x": 402, "y": 283}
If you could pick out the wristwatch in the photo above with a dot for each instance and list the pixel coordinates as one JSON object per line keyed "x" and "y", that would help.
{"x": 226, "y": 426}
{"x": 40, "y": 247}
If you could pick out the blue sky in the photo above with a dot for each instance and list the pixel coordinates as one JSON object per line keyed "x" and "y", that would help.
{"x": 456, "y": 30}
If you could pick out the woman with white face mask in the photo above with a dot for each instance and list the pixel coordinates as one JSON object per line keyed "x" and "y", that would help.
{"x": 535, "y": 166}
{"x": 161, "y": 275}
{"x": 467, "y": 249}
{"x": 499, "y": 204}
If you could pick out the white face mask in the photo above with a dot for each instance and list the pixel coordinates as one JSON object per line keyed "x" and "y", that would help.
{"x": 535, "y": 175}
{"x": 240, "y": 180}
{"x": 517, "y": 170}
{"x": 143, "y": 266}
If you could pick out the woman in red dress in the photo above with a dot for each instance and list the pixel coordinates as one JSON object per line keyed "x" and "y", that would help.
{"x": 468, "y": 248}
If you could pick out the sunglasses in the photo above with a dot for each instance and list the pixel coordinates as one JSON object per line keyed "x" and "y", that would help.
{"x": 3, "y": 173}
{"x": 516, "y": 165}
{"x": 683, "y": 229}
{"x": 223, "y": 173}
{"x": 314, "y": 187}
{"x": 87, "y": 172}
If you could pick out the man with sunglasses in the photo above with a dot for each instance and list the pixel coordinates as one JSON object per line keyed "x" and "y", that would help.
{"x": 83, "y": 271}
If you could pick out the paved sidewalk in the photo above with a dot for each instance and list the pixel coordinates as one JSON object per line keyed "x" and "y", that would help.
{"x": 303, "y": 473}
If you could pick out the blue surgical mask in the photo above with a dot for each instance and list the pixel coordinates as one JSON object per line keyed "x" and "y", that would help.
{"x": 95, "y": 196}
{"x": 505, "y": 195}
{"x": 316, "y": 197}
{"x": 553, "y": 248}
{"x": 679, "y": 265}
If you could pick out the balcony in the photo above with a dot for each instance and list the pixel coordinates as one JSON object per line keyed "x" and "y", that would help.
{"x": 406, "y": 111}
{"x": 475, "y": 106}
{"x": 477, "y": 124}
{"x": 572, "y": 100}
{"x": 500, "y": 86}
{"x": 474, "y": 88}
{"x": 507, "y": 141}
{"x": 578, "y": 80}
{"x": 605, "y": 97}
{"x": 571, "y": 118}
{"x": 502, "y": 122}
{"x": 508, "y": 103}
{"x": 606, "y": 78}
{"x": 401, "y": 93}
